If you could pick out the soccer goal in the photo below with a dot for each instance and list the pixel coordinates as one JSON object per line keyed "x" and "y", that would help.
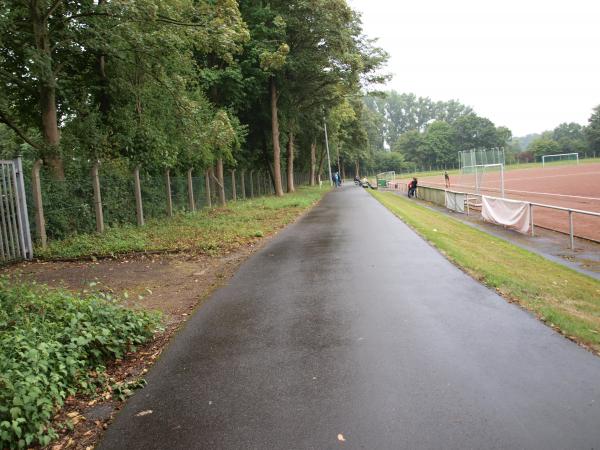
{"x": 484, "y": 177}
{"x": 561, "y": 157}
{"x": 482, "y": 169}
{"x": 384, "y": 178}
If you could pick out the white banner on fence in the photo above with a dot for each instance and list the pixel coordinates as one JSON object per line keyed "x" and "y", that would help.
{"x": 510, "y": 213}
{"x": 455, "y": 201}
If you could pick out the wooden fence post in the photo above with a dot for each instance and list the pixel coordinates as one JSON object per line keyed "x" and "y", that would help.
{"x": 207, "y": 181}
{"x": 243, "y": 177}
{"x": 251, "y": 185}
{"x": 233, "y": 186}
{"x": 139, "y": 209}
{"x": 97, "y": 198}
{"x": 190, "y": 182}
{"x": 221, "y": 182}
{"x": 36, "y": 187}
{"x": 169, "y": 197}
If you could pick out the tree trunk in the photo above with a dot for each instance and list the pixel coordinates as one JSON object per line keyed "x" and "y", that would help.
{"x": 267, "y": 161}
{"x": 221, "y": 181}
{"x": 357, "y": 168}
{"x": 47, "y": 91}
{"x": 104, "y": 95}
{"x": 290, "y": 163}
{"x": 276, "y": 147}
{"x": 313, "y": 163}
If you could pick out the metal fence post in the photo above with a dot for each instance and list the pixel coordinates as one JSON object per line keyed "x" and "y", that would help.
{"x": 24, "y": 216}
{"x": 97, "y": 198}
{"x": 169, "y": 196}
{"x": 36, "y": 187}
{"x": 139, "y": 208}
{"x": 233, "y": 187}
{"x": 190, "y": 186}
{"x": 572, "y": 240}
{"x": 221, "y": 182}
{"x": 207, "y": 183}
{"x": 243, "y": 180}
{"x": 531, "y": 218}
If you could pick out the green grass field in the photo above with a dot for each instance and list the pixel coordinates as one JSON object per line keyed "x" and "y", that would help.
{"x": 566, "y": 300}
{"x": 211, "y": 231}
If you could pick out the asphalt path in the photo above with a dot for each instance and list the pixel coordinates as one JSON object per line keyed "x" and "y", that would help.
{"x": 347, "y": 330}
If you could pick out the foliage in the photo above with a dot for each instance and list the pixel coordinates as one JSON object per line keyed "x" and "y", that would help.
{"x": 53, "y": 345}
{"x": 560, "y": 296}
{"x": 593, "y": 130}
{"x": 211, "y": 231}
{"x": 544, "y": 146}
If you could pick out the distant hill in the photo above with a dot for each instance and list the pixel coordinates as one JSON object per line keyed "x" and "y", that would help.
{"x": 523, "y": 142}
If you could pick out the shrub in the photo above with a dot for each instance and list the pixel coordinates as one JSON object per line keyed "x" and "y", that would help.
{"x": 52, "y": 345}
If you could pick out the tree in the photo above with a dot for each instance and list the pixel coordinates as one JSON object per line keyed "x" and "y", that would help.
{"x": 105, "y": 76}
{"x": 438, "y": 145}
{"x": 474, "y": 132}
{"x": 593, "y": 130}
{"x": 571, "y": 138}
{"x": 408, "y": 144}
{"x": 544, "y": 146}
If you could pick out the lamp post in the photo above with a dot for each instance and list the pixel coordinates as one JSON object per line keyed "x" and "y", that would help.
{"x": 327, "y": 147}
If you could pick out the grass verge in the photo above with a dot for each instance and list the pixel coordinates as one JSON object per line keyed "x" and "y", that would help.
{"x": 213, "y": 231}
{"x": 566, "y": 300}
{"x": 54, "y": 344}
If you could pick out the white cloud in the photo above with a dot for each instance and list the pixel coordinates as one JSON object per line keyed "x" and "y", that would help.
{"x": 526, "y": 64}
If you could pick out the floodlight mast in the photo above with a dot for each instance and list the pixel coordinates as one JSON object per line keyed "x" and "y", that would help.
{"x": 327, "y": 147}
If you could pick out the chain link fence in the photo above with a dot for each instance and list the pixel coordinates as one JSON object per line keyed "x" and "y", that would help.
{"x": 69, "y": 206}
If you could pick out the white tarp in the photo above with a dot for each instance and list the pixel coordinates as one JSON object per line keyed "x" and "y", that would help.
{"x": 455, "y": 201}
{"x": 510, "y": 213}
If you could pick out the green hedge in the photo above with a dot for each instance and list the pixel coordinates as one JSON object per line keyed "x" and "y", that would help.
{"x": 52, "y": 345}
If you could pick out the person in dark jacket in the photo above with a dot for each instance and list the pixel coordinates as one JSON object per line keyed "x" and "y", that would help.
{"x": 412, "y": 189}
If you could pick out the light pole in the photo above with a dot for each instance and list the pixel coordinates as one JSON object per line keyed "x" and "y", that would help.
{"x": 327, "y": 147}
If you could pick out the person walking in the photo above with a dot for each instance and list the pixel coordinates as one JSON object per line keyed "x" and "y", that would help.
{"x": 447, "y": 179}
{"x": 412, "y": 187}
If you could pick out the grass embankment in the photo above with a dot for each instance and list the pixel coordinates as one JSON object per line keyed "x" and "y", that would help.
{"x": 53, "y": 345}
{"x": 211, "y": 231}
{"x": 561, "y": 297}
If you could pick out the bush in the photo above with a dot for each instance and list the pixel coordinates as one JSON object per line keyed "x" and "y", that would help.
{"x": 53, "y": 345}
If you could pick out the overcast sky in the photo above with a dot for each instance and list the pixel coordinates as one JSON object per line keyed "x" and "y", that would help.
{"x": 525, "y": 64}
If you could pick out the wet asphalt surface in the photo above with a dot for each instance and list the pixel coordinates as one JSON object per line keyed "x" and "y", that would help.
{"x": 348, "y": 323}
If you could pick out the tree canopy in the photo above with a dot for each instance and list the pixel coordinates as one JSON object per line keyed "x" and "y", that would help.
{"x": 180, "y": 83}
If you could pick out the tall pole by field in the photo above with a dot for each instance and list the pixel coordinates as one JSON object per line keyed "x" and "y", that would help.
{"x": 327, "y": 147}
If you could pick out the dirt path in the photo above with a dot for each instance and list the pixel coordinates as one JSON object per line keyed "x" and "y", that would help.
{"x": 173, "y": 284}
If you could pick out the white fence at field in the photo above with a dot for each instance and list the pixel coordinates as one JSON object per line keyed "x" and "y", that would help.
{"x": 515, "y": 214}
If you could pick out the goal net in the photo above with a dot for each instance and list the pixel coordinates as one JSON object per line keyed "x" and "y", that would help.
{"x": 385, "y": 178}
{"x": 484, "y": 178}
{"x": 572, "y": 157}
{"x": 482, "y": 170}
{"x": 480, "y": 157}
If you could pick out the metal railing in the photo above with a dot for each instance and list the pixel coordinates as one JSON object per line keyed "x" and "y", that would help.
{"x": 433, "y": 195}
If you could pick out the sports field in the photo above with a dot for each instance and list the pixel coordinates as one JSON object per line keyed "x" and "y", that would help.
{"x": 568, "y": 186}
